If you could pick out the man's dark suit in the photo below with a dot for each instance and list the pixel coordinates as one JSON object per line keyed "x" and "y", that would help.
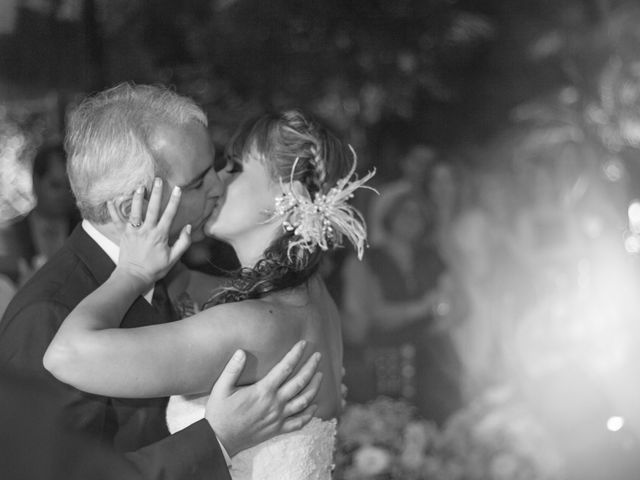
{"x": 128, "y": 425}
{"x": 40, "y": 450}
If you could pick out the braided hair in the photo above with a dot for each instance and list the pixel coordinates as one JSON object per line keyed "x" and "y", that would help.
{"x": 284, "y": 140}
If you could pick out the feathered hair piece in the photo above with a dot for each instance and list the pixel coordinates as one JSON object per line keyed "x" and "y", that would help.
{"x": 325, "y": 220}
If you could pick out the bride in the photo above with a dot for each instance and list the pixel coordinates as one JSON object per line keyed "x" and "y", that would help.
{"x": 285, "y": 206}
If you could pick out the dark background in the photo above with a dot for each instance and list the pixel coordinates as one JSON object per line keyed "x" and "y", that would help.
{"x": 385, "y": 73}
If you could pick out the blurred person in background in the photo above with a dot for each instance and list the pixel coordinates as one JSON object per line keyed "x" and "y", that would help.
{"x": 449, "y": 187}
{"x": 396, "y": 307}
{"x": 486, "y": 254}
{"x": 30, "y": 241}
{"x": 416, "y": 168}
{"x": 552, "y": 227}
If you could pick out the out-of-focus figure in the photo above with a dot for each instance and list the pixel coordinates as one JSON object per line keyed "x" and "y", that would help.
{"x": 449, "y": 189}
{"x": 495, "y": 280}
{"x": 28, "y": 242}
{"x": 415, "y": 168}
{"x": 393, "y": 302}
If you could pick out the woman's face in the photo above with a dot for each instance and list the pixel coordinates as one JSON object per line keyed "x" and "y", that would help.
{"x": 248, "y": 202}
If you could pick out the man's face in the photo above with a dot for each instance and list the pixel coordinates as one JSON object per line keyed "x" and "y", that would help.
{"x": 187, "y": 154}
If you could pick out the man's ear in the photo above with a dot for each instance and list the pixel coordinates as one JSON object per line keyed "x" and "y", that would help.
{"x": 123, "y": 207}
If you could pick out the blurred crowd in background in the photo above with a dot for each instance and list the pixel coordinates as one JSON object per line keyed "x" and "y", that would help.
{"x": 506, "y": 139}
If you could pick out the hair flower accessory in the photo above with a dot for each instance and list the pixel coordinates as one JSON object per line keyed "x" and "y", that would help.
{"x": 325, "y": 220}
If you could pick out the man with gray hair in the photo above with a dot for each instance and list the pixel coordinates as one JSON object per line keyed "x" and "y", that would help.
{"x": 116, "y": 141}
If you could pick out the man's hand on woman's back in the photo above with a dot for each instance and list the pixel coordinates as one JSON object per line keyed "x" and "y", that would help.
{"x": 246, "y": 416}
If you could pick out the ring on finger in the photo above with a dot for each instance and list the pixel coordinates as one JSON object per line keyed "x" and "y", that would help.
{"x": 135, "y": 224}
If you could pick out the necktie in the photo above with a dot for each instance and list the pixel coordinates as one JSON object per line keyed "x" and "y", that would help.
{"x": 162, "y": 302}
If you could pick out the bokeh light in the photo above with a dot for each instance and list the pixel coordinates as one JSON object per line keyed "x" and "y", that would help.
{"x": 614, "y": 424}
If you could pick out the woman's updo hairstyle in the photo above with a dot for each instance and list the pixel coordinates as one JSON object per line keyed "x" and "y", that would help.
{"x": 284, "y": 140}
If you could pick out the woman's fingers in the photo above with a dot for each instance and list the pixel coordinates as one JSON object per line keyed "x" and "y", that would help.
{"x": 135, "y": 215}
{"x": 170, "y": 210}
{"x": 113, "y": 213}
{"x": 181, "y": 244}
{"x": 155, "y": 218}
{"x": 153, "y": 210}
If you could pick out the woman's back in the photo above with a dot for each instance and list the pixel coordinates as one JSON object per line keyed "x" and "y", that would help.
{"x": 312, "y": 310}
{"x": 304, "y": 313}
{"x": 285, "y": 317}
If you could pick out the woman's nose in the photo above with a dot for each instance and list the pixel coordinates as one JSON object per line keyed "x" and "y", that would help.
{"x": 217, "y": 184}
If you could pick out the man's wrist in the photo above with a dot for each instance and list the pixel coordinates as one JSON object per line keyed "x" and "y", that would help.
{"x": 229, "y": 447}
{"x": 225, "y": 454}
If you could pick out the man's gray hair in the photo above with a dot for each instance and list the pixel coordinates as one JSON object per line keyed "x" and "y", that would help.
{"x": 108, "y": 142}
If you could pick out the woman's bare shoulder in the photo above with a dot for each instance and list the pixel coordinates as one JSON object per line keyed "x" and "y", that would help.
{"x": 260, "y": 322}
{"x": 263, "y": 330}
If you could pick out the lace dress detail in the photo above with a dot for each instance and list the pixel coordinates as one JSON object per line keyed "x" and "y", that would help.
{"x": 303, "y": 455}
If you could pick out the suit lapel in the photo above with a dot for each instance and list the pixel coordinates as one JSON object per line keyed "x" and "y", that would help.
{"x": 101, "y": 266}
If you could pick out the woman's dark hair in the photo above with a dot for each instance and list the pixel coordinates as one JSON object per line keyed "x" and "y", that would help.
{"x": 283, "y": 140}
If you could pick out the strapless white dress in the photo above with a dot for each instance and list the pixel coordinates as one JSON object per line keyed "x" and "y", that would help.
{"x": 303, "y": 455}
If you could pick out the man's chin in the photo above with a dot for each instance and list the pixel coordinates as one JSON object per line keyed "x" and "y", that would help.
{"x": 197, "y": 235}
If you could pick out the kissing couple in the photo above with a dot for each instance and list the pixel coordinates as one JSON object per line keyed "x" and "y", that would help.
{"x": 255, "y": 376}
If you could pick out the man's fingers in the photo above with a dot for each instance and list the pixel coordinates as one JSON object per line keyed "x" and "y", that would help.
{"x": 305, "y": 398}
{"x": 170, "y": 210}
{"x": 231, "y": 373}
{"x": 283, "y": 369}
{"x": 298, "y": 421}
{"x": 301, "y": 379}
{"x": 153, "y": 210}
{"x": 181, "y": 244}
